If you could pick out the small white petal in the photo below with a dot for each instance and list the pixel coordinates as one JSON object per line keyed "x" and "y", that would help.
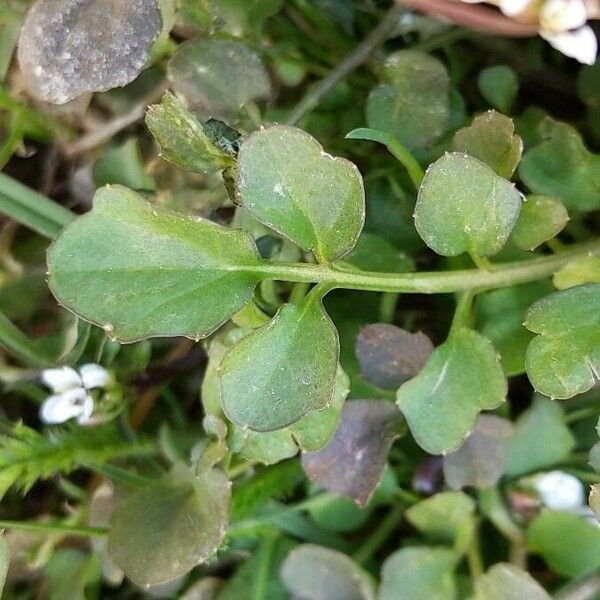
{"x": 580, "y": 44}
{"x": 512, "y": 8}
{"x": 86, "y": 411}
{"x": 62, "y": 407}
{"x": 94, "y": 376}
{"x": 61, "y": 380}
{"x": 563, "y": 15}
{"x": 559, "y": 490}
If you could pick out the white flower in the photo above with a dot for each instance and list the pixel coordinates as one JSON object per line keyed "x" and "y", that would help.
{"x": 562, "y": 15}
{"x": 513, "y": 8}
{"x": 580, "y": 44}
{"x": 71, "y": 398}
{"x": 559, "y": 490}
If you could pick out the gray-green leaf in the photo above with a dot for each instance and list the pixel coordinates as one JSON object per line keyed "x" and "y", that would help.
{"x": 462, "y": 377}
{"x": 139, "y": 271}
{"x": 182, "y": 138}
{"x": 4, "y": 562}
{"x": 414, "y": 106}
{"x": 507, "y": 582}
{"x": 162, "y": 531}
{"x": 540, "y": 220}
{"x": 287, "y": 181}
{"x": 68, "y": 47}
{"x": 282, "y": 371}
{"x": 463, "y": 206}
{"x": 218, "y": 77}
{"x": 564, "y": 358}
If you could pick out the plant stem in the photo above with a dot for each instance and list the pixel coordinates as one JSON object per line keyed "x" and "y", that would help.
{"x": 436, "y": 282}
{"x": 20, "y": 346}
{"x": 474, "y": 556}
{"x": 463, "y": 312}
{"x": 378, "y": 537}
{"x": 39, "y": 527}
{"x": 265, "y": 556}
{"x": 387, "y": 307}
{"x": 32, "y": 209}
{"x": 356, "y": 58}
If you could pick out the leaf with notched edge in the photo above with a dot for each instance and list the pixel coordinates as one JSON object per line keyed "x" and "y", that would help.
{"x": 481, "y": 460}
{"x": 273, "y": 377}
{"x": 162, "y": 531}
{"x": 388, "y": 355}
{"x": 464, "y": 206}
{"x": 564, "y": 358}
{"x": 353, "y": 461}
{"x": 69, "y": 47}
{"x": 492, "y": 139}
{"x": 139, "y": 271}
{"x": 462, "y": 377}
{"x": 290, "y": 184}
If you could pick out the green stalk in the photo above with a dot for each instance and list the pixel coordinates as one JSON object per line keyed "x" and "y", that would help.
{"x": 20, "y": 346}
{"x": 32, "y": 209}
{"x": 380, "y": 535}
{"x": 39, "y": 527}
{"x": 442, "y": 282}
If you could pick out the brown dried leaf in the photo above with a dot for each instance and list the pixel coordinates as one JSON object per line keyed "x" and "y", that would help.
{"x": 68, "y": 47}
{"x": 481, "y": 460}
{"x": 353, "y": 461}
{"x": 389, "y": 356}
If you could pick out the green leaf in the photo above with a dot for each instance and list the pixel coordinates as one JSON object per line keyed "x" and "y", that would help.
{"x": 374, "y": 253}
{"x": 447, "y": 518}
{"x": 413, "y": 106}
{"x": 217, "y": 77}
{"x": 419, "y": 573}
{"x": 69, "y": 572}
{"x": 480, "y": 462}
{"x": 310, "y": 433}
{"x": 499, "y": 85}
{"x": 569, "y": 544}
{"x": 500, "y": 315}
{"x": 183, "y": 139}
{"x": 282, "y": 371}
{"x": 85, "y": 47}
{"x": 579, "y": 271}
{"x": 311, "y": 571}
{"x": 541, "y": 218}
{"x": 162, "y": 531}
{"x": 540, "y": 439}
{"x": 463, "y": 206}
{"x": 462, "y": 377}
{"x": 4, "y": 562}
{"x": 492, "y": 139}
{"x": 562, "y": 167}
{"x": 287, "y": 181}
{"x": 123, "y": 164}
{"x": 507, "y": 582}
{"x": 139, "y": 271}
{"x": 353, "y": 461}
{"x": 564, "y": 358}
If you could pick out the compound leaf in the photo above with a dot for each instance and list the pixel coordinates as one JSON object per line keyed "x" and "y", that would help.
{"x": 68, "y": 47}
{"x": 564, "y": 358}
{"x": 162, "y": 531}
{"x": 282, "y": 371}
{"x": 138, "y": 271}
{"x": 462, "y": 377}
{"x": 182, "y": 138}
{"x": 492, "y": 139}
{"x": 463, "y": 206}
{"x": 286, "y": 180}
